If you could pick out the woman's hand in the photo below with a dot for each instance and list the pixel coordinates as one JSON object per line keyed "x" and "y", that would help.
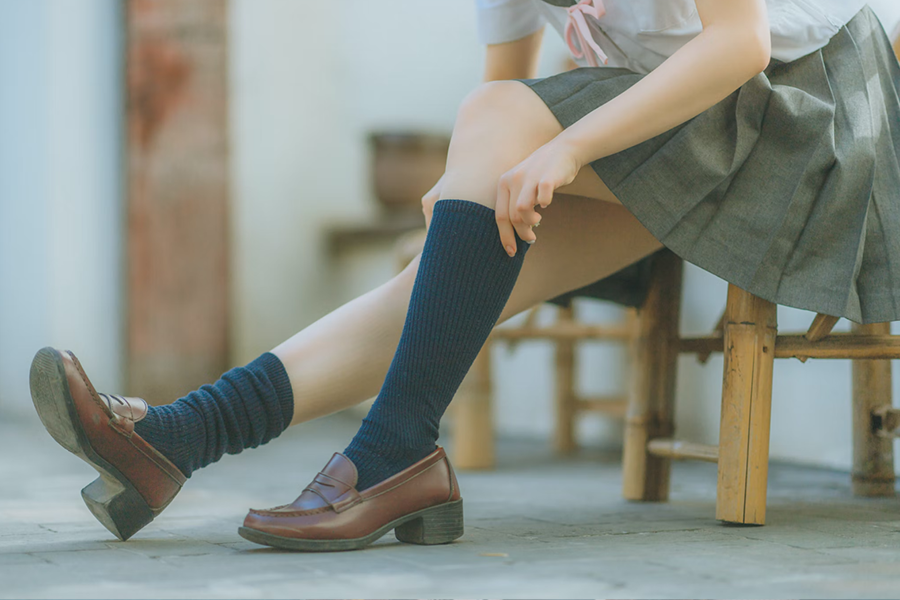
{"x": 529, "y": 184}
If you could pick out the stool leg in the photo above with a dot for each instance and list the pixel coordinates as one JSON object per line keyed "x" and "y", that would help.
{"x": 750, "y": 330}
{"x": 564, "y": 438}
{"x": 873, "y": 456}
{"x": 473, "y": 419}
{"x": 652, "y": 394}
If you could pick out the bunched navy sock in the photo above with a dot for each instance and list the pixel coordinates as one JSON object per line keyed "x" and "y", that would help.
{"x": 246, "y": 407}
{"x": 464, "y": 279}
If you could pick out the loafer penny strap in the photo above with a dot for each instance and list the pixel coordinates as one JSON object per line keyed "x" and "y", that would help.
{"x": 337, "y": 494}
{"x": 133, "y": 409}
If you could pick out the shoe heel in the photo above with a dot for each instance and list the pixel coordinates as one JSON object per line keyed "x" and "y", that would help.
{"x": 118, "y": 506}
{"x": 437, "y": 525}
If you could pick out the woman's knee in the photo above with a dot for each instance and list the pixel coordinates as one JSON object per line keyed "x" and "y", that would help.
{"x": 498, "y": 104}
{"x": 498, "y": 125}
{"x": 491, "y": 99}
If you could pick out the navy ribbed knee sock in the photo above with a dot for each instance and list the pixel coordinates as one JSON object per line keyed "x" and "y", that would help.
{"x": 246, "y": 407}
{"x": 464, "y": 279}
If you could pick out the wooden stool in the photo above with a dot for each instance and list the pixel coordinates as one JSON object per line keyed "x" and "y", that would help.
{"x": 747, "y": 334}
{"x": 473, "y": 438}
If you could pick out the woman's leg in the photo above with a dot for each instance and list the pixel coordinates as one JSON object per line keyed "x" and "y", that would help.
{"x": 581, "y": 240}
{"x": 464, "y": 281}
{"x": 342, "y": 359}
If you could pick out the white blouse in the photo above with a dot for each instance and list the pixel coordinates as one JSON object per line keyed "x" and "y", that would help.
{"x": 640, "y": 34}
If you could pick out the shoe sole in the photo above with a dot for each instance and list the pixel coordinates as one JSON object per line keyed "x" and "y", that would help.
{"x": 439, "y": 524}
{"x": 112, "y": 498}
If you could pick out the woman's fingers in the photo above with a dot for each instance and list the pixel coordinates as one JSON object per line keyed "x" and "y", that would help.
{"x": 526, "y": 203}
{"x": 501, "y": 211}
{"x": 429, "y": 199}
{"x": 521, "y": 221}
{"x": 524, "y": 219}
{"x": 545, "y": 191}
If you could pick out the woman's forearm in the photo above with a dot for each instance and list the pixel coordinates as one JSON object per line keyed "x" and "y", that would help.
{"x": 702, "y": 73}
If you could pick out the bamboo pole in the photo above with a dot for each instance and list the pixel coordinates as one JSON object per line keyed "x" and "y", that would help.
{"x": 873, "y": 455}
{"x": 565, "y": 331}
{"x": 821, "y": 327}
{"x": 473, "y": 419}
{"x": 613, "y": 406}
{"x": 750, "y": 331}
{"x": 564, "y": 436}
{"x": 678, "y": 450}
{"x": 651, "y": 398}
{"x": 835, "y": 346}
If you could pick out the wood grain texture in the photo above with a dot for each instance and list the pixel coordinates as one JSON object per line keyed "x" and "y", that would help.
{"x": 679, "y": 450}
{"x": 836, "y": 346}
{"x": 821, "y": 327}
{"x": 873, "y": 455}
{"x": 564, "y": 400}
{"x": 652, "y": 393}
{"x": 473, "y": 417}
{"x": 177, "y": 166}
{"x": 750, "y": 331}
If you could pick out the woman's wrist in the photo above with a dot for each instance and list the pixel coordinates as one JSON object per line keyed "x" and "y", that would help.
{"x": 569, "y": 143}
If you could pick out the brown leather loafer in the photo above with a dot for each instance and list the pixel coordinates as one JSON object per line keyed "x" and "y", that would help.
{"x": 421, "y": 504}
{"x": 136, "y": 482}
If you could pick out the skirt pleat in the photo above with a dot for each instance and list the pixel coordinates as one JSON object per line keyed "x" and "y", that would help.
{"x": 789, "y": 188}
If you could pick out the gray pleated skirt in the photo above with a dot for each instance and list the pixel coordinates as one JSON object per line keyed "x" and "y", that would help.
{"x": 789, "y": 188}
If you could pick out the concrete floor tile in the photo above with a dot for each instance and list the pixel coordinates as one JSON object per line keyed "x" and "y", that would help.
{"x": 538, "y": 526}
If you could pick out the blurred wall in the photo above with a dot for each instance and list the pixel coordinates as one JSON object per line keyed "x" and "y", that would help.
{"x": 308, "y": 81}
{"x": 888, "y": 12}
{"x": 60, "y": 186}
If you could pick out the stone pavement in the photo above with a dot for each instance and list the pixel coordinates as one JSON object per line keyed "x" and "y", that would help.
{"x": 538, "y": 527}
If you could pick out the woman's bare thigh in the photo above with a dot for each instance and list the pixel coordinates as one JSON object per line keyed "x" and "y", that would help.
{"x": 580, "y": 241}
{"x": 589, "y": 185}
{"x": 499, "y": 125}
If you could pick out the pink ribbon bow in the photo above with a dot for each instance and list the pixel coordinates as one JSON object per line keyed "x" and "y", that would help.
{"x": 577, "y": 29}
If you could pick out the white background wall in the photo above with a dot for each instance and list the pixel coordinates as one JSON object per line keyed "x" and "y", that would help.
{"x": 309, "y": 81}
{"x": 60, "y": 184}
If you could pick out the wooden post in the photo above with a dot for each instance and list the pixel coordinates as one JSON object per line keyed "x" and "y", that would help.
{"x": 873, "y": 456}
{"x": 564, "y": 436}
{"x": 652, "y": 394}
{"x": 473, "y": 419}
{"x": 177, "y": 166}
{"x": 750, "y": 330}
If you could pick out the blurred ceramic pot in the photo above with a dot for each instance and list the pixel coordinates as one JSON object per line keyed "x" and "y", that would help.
{"x": 405, "y": 165}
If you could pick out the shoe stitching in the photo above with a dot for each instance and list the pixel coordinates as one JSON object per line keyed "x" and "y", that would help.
{"x": 334, "y": 478}
{"x": 161, "y": 466}
{"x": 300, "y": 513}
{"x": 423, "y": 471}
{"x": 450, "y": 474}
{"x": 293, "y": 513}
{"x": 94, "y": 396}
{"x": 320, "y": 495}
